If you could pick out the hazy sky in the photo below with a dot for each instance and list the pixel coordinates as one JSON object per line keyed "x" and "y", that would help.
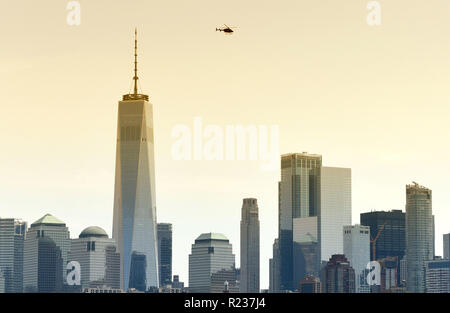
{"x": 371, "y": 98}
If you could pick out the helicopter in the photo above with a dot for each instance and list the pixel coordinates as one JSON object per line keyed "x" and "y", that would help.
{"x": 227, "y": 29}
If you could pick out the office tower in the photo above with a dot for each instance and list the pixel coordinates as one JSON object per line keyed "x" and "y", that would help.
{"x": 225, "y": 277}
{"x": 357, "y": 252}
{"x": 210, "y": 254}
{"x": 306, "y": 248}
{"x": 437, "y": 276}
{"x": 90, "y": 251}
{"x": 446, "y": 246}
{"x": 299, "y": 196}
{"x": 46, "y": 246}
{"x": 249, "y": 272}
{"x": 419, "y": 235}
{"x": 309, "y": 284}
{"x": 274, "y": 268}
{"x": 389, "y": 230}
{"x": 165, "y": 253}
{"x": 335, "y": 209}
{"x": 338, "y": 276}
{"x": 12, "y": 236}
{"x": 314, "y": 205}
{"x": 134, "y": 224}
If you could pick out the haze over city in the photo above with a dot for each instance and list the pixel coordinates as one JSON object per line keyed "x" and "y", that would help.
{"x": 373, "y": 99}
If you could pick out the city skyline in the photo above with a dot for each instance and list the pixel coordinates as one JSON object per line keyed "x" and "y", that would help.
{"x": 70, "y": 173}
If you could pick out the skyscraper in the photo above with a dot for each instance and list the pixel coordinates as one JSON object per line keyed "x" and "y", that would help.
{"x": 134, "y": 224}
{"x": 335, "y": 209}
{"x": 90, "y": 250}
{"x": 419, "y": 235}
{"x": 338, "y": 276}
{"x": 389, "y": 227}
{"x": 357, "y": 252}
{"x": 249, "y": 280}
{"x": 12, "y": 236}
{"x": 314, "y": 206}
{"x": 299, "y": 196}
{"x": 392, "y": 231}
{"x": 446, "y": 246}
{"x": 165, "y": 253}
{"x": 46, "y": 246}
{"x": 274, "y": 268}
{"x": 211, "y": 254}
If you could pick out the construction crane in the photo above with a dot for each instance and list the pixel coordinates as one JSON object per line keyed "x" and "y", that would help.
{"x": 374, "y": 241}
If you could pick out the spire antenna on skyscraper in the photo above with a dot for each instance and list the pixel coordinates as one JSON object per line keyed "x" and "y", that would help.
{"x": 135, "y": 95}
{"x": 135, "y": 78}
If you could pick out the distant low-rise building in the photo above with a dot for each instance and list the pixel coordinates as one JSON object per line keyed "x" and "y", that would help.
{"x": 46, "y": 246}
{"x": 211, "y": 263}
{"x": 309, "y": 284}
{"x": 338, "y": 276}
{"x": 98, "y": 259}
{"x": 437, "y": 276}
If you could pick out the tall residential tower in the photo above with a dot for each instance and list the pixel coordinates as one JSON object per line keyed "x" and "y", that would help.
{"x": 134, "y": 224}
{"x": 419, "y": 235}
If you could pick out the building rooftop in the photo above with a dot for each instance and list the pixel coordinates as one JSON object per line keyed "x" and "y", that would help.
{"x": 48, "y": 219}
{"x": 93, "y": 231}
{"x": 211, "y": 236}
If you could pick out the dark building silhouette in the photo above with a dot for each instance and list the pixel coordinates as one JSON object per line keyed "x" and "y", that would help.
{"x": 138, "y": 270}
{"x": 392, "y": 239}
{"x": 165, "y": 253}
{"x": 50, "y": 265}
{"x": 177, "y": 283}
{"x": 309, "y": 284}
{"x": 338, "y": 276}
{"x": 222, "y": 278}
{"x": 274, "y": 269}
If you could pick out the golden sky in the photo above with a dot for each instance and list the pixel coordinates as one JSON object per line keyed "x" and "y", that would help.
{"x": 374, "y": 99}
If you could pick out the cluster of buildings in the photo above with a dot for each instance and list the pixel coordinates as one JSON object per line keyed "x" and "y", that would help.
{"x": 318, "y": 249}
{"x": 35, "y": 259}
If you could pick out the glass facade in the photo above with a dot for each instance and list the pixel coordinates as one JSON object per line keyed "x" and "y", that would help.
{"x": 335, "y": 209}
{"x": 249, "y": 280}
{"x": 391, "y": 225}
{"x": 299, "y": 197}
{"x": 12, "y": 235}
{"x": 210, "y": 254}
{"x": 165, "y": 253}
{"x": 46, "y": 247}
{"x": 419, "y": 235}
{"x": 134, "y": 225}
